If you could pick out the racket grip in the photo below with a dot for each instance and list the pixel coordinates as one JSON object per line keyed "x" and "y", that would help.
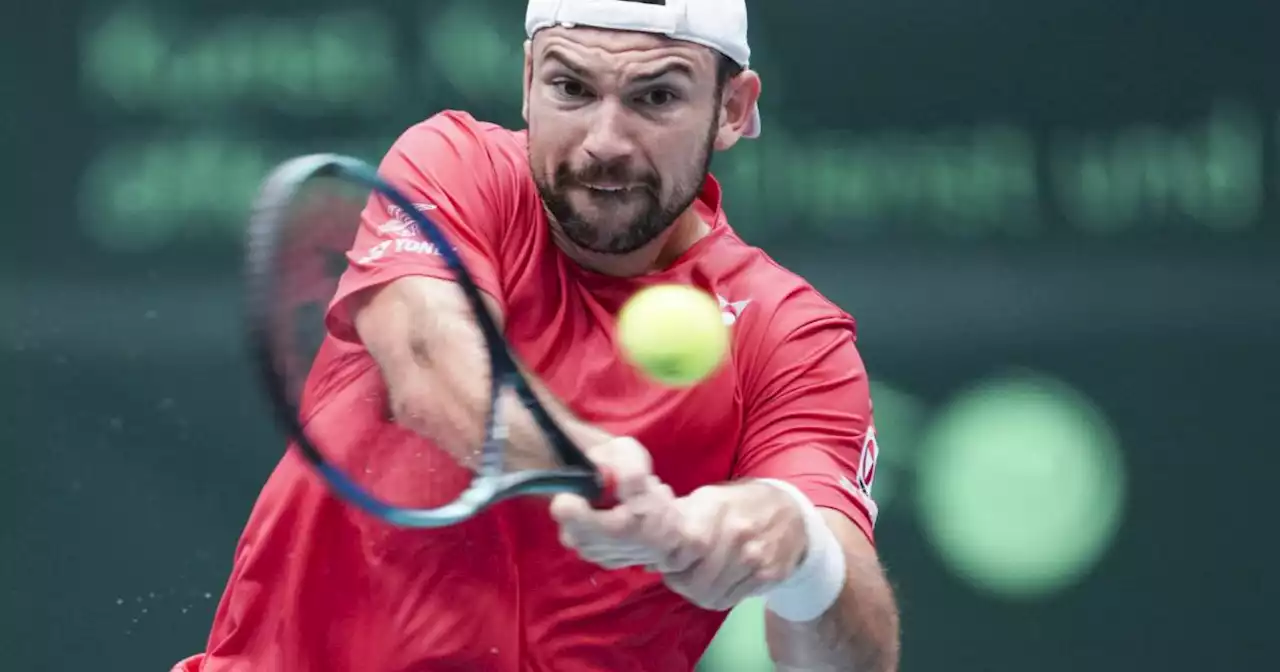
{"x": 608, "y": 496}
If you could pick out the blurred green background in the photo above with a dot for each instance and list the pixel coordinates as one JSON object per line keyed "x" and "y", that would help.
{"x": 1058, "y": 224}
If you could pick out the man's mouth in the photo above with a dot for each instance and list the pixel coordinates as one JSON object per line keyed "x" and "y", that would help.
{"x": 610, "y": 188}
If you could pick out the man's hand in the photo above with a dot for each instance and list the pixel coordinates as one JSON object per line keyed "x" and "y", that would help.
{"x": 640, "y": 530}
{"x": 717, "y": 546}
{"x": 735, "y": 541}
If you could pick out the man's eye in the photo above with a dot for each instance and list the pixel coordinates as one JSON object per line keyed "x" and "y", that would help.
{"x": 567, "y": 88}
{"x": 658, "y": 97}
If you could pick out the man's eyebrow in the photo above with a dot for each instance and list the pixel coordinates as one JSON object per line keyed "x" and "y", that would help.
{"x": 553, "y": 55}
{"x": 673, "y": 68}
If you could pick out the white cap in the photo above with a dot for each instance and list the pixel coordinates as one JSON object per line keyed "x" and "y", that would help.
{"x": 719, "y": 24}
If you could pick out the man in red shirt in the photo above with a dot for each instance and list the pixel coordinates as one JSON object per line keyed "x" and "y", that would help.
{"x": 762, "y": 473}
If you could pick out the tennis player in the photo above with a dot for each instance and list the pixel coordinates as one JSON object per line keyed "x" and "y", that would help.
{"x": 755, "y": 482}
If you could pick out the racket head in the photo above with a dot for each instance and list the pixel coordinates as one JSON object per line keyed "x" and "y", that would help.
{"x": 304, "y": 221}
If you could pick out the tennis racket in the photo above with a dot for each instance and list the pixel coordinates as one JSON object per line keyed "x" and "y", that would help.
{"x": 304, "y": 220}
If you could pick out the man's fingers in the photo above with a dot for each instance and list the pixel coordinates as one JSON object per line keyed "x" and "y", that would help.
{"x": 568, "y": 509}
{"x": 641, "y": 532}
{"x": 717, "y": 568}
{"x": 722, "y": 553}
{"x": 745, "y": 553}
{"x": 743, "y": 574}
{"x": 611, "y": 552}
{"x": 690, "y": 541}
{"x": 701, "y": 556}
{"x": 716, "y": 582}
{"x": 698, "y": 522}
{"x": 575, "y": 514}
{"x": 616, "y": 558}
{"x": 630, "y": 464}
{"x": 677, "y": 561}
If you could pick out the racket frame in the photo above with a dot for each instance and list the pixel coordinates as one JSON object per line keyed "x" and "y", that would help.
{"x": 263, "y": 241}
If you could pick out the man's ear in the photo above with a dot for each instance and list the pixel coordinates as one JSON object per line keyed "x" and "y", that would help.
{"x": 528, "y": 78}
{"x": 737, "y": 102}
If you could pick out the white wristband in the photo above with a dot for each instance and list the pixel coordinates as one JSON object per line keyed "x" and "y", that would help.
{"x": 816, "y": 583}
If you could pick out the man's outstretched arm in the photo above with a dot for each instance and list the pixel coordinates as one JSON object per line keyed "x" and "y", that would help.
{"x": 422, "y": 334}
{"x": 794, "y": 525}
{"x": 859, "y": 632}
{"x": 831, "y": 607}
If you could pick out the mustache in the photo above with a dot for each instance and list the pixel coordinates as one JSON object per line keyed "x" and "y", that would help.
{"x": 605, "y": 172}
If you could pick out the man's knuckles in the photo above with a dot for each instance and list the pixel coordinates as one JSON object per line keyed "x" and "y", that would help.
{"x": 739, "y": 529}
{"x": 756, "y": 556}
{"x": 697, "y": 537}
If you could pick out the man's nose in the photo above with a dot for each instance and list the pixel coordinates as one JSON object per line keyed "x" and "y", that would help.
{"x": 609, "y": 138}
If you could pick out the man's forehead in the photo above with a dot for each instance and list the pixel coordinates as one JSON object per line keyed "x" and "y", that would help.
{"x": 604, "y": 43}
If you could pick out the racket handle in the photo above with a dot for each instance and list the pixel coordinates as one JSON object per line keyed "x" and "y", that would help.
{"x": 608, "y": 497}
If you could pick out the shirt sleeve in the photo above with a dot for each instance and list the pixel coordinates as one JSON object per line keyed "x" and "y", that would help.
{"x": 809, "y": 421}
{"x": 443, "y": 167}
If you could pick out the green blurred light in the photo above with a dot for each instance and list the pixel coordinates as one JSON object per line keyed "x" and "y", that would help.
{"x": 740, "y": 645}
{"x": 1021, "y": 486}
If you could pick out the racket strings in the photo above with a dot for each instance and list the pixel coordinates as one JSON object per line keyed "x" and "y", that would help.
{"x": 306, "y": 224}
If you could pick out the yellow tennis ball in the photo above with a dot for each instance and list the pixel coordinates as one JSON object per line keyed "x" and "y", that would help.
{"x": 675, "y": 334}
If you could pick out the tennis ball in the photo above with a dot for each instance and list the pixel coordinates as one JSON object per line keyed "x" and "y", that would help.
{"x": 675, "y": 334}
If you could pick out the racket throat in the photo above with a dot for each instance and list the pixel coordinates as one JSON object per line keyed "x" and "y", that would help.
{"x": 497, "y": 436}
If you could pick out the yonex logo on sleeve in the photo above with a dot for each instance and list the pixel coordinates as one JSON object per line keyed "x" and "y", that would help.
{"x": 376, "y": 252}
{"x": 398, "y": 246}
{"x": 415, "y": 246}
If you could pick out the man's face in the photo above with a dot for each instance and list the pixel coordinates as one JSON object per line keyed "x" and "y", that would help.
{"x": 621, "y": 130}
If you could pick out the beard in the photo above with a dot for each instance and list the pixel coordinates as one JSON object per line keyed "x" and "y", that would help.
{"x": 653, "y": 214}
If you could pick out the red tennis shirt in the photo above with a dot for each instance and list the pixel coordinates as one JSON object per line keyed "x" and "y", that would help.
{"x": 319, "y": 586}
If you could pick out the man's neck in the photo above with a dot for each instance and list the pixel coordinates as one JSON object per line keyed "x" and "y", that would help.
{"x": 660, "y": 253}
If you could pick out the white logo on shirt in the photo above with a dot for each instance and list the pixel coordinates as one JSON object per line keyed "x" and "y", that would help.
{"x": 376, "y": 252}
{"x": 867, "y": 465}
{"x": 860, "y": 485}
{"x": 401, "y": 224}
{"x": 865, "y": 499}
{"x": 398, "y": 213}
{"x": 731, "y": 310}
{"x": 399, "y": 245}
{"x": 395, "y": 227}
